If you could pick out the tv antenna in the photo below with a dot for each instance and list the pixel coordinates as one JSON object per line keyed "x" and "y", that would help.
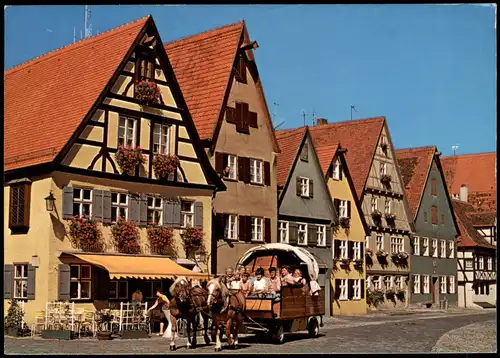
{"x": 88, "y": 25}
{"x": 304, "y": 116}
{"x": 454, "y": 148}
{"x": 352, "y": 107}
{"x": 314, "y": 118}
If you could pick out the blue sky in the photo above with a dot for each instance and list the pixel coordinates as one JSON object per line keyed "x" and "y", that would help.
{"x": 430, "y": 69}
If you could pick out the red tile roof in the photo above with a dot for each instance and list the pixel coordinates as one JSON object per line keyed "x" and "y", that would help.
{"x": 414, "y": 165}
{"x": 202, "y": 64}
{"x": 469, "y": 236}
{"x": 483, "y": 218}
{"x": 326, "y": 153}
{"x": 477, "y": 171}
{"x": 289, "y": 142}
{"x": 359, "y": 137}
{"x": 48, "y": 97}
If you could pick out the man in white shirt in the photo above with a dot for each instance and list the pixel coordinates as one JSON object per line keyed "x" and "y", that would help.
{"x": 260, "y": 283}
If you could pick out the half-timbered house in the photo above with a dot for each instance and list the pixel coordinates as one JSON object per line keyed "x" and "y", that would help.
{"x": 433, "y": 258}
{"x": 218, "y": 75}
{"x": 67, "y": 114}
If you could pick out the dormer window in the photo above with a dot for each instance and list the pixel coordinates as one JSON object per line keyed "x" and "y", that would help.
{"x": 336, "y": 171}
{"x": 145, "y": 69}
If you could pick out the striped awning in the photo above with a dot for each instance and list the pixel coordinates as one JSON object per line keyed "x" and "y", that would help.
{"x": 140, "y": 267}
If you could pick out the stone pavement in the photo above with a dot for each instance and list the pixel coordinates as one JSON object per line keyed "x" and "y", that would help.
{"x": 476, "y": 337}
{"x": 353, "y": 334}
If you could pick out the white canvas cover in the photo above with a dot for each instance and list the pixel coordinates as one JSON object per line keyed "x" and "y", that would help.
{"x": 302, "y": 254}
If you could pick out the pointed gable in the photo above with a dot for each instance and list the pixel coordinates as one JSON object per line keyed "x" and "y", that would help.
{"x": 57, "y": 90}
{"x": 289, "y": 143}
{"x": 326, "y": 154}
{"x": 469, "y": 236}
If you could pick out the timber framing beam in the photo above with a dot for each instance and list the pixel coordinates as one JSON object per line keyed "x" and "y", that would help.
{"x": 133, "y": 113}
{"x": 136, "y": 101}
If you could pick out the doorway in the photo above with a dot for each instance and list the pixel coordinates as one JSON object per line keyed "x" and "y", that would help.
{"x": 435, "y": 290}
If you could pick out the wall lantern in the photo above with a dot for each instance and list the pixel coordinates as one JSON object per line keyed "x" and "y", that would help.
{"x": 49, "y": 202}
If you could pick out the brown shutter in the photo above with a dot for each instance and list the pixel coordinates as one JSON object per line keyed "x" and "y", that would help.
{"x": 198, "y": 215}
{"x": 298, "y": 190}
{"x": 329, "y": 238}
{"x": 67, "y": 202}
{"x": 422, "y": 283}
{"x": 246, "y": 170}
{"x": 242, "y": 228}
{"x": 340, "y": 171}
{"x": 239, "y": 116}
{"x": 245, "y": 115}
{"x": 362, "y": 288}
{"x": 292, "y": 233}
{"x": 267, "y": 173}
{"x": 336, "y": 204}
{"x": 350, "y": 252}
{"x": 8, "y": 280}
{"x": 252, "y": 119}
{"x": 361, "y": 250}
{"x": 337, "y": 289}
{"x": 350, "y": 289}
{"x": 348, "y": 208}
{"x": 219, "y": 162}
{"x": 31, "y": 282}
{"x": 267, "y": 230}
{"x": 312, "y": 235}
{"x": 64, "y": 282}
{"x": 311, "y": 188}
{"x": 241, "y": 168}
{"x": 336, "y": 248}
{"x": 248, "y": 228}
{"x": 231, "y": 115}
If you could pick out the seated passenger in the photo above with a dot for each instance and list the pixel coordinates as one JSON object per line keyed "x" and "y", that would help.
{"x": 260, "y": 283}
{"x": 228, "y": 277}
{"x": 286, "y": 277}
{"x": 298, "y": 280}
{"x": 244, "y": 285}
{"x": 274, "y": 281}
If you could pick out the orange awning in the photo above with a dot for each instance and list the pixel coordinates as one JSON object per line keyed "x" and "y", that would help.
{"x": 141, "y": 267}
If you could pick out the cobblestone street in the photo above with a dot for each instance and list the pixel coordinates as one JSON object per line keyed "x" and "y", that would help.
{"x": 358, "y": 334}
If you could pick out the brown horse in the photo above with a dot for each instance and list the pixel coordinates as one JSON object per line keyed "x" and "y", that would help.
{"x": 232, "y": 317}
{"x": 186, "y": 303}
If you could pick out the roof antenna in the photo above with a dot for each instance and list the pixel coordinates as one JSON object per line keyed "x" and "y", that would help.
{"x": 352, "y": 107}
{"x": 74, "y": 34}
{"x": 304, "y": 117}
{"x": 88, "y": 25}
{"x": 274, "y": 109}
{"x": 454, "y": 148}
{"x": 314, "y": 118}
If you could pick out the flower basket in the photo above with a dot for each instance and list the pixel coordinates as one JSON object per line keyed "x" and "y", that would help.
{"x": 385, "y": 179}
{"x": 381, "y": 253}
{"x": 369, "y": 252}
{"x": 400, "y": 293}
{"x": 374, "y": 297}
{"x": 164, "y": 165}
{"x": 390, "y": 217}
{"x": 192, "y": 241}
{"x": 376, "y": 215}
{"x": 147, "y": 92}
{"x": 390, "y": 294}
{"x": 358, "y": 262}
{"x": 126, "y": 237}
{"x": 86, "y": 234}
{"x": 344, "y": 222}
{"x": 345, "y": 262}
{"x": 161, "y": 240}
{"x": 129, "y": 159}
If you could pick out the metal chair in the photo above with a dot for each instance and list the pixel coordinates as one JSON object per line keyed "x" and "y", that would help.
{"x": 38, "y": 321}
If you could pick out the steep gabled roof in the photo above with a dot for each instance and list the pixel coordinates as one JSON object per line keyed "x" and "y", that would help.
{"x": 483, "y": 219}
{"x": 47, "y": 98}
{"x": 359, "y": 137}
{"x": 469, "y": 236}
{"x": 415, "y": 164}
{"x": 326, "y": 153}
{"x": 289, "y": 143}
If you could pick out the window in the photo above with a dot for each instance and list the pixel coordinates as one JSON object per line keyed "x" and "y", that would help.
{"x": 425, "y": 246}
{"x": 434, "y": 248}
{"x": 377, "y": 283}
{"x": 451, "y": 246}
{"x": 336, "y": 170}
{"x": 231, "y": 232}
{"x": 443, "y": 249}
{"x": 302, "y": 234}
{"x": 232, "y": 165}
{"x": 155, "y": 210}
{"x": 343, "y": 290}
{"x": 126, "y": 131}
{"x": 383, "y": 169}
{"x": 416, "y": 246}
{"x": 387, "y": 207}
{"x": 21, "y": 281}
{"x": 187, "y": 213}
{"x": 481, "y": 263}
{"x": 388, "y": 282}
{"x": 19, "y": 213}
{"x": 400, "y": 283}
{"x": 256, "y": 171}
{"x": 356, "y": 250}
{"x": 468, "y": 264}
{"x": 442, "y": 219}
{"x": 356, "y": 289}
{"x": 145, "y": 67}
{"x": 149, "y": 288}
{"x": 369, "y": 282}
{"x": 304, "y": 187}
{"x": 434, "y": 215}
{"x": 374, "y": 204}
{"x": 118, "y": 290}
{"x": 343, "y": 212}
{"x": 343, "y": 249}
{"x": 433, "y": 187}
{"x": 241, "y": 70}
{"x": 80, "y": 282}
{"x": 490, "y": 263}
{"x": 161, "y": 139}
{"x": 451, "y": 284}
{"x": 416, "y": 283}
{"x": 442, "y": 280}
{"x": 396, "y": 244}
{"x": 257, "y": 229}
{"x": 367, "y": 241}
{"x": 82, "y": 202}
{"x": 427, "y": 283}
{"x": 380, "y": 242}
{"x": 119, "y": 206}
{"x": 283, "y": 231}
{"x": 304, "y": 154}
{"x": 321, "y": 234}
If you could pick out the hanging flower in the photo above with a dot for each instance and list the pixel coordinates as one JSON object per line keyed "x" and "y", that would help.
{"x": 161, "y": 240}
{"x": 385, "y": 179}
{"x": 129, "y": 159}
{"x": 390, "y": 217}
{"x": 376, "y": 214}
{"x": 374, "y": 297}
{"x": 345, "y": 261}
{"x": 381, "y": 253}
{"x": 126, "y": 237}
{"x": 147, "y": 92}
{"x": 369, "y": 252}
{"x": 344, "y": 222}
{"x": 164, "y": 165}
{"x": 85, "y": 233}
{"x": 192, "y": 240}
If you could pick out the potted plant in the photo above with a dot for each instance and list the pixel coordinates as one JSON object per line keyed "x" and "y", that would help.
{"x": 369, "y": 252}
{"x": 390, "y": 217}
{"x": 192, "y": 241}
{"x": 103, "y": 319}
{"x": 61, "y": 323}
{"x": 385, "y": 179}
{"x": 400, "y": 294}
{"x": 129, "y": 158}
{"x": 14, "y": 319}
{"x": 381, "y": 253}
{"x": 147, "y": 92}
{"x": 376, "y": 215}
{"x": 358, "y": 262}
{"x": 390, "y": 294}
{"x": 374, "y": 297}
{"x": 161, "y": 240}
{"x": 344, "y": 222}
{"x": 345, "y": 262}
{"x": 126, "y": 237}
{"x": 85, "y": 234}
{"x": 165, "y": 165}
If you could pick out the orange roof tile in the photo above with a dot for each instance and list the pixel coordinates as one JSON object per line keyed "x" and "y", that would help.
{"x": 469, "y": 236}
{"x": 477, "y": 171}
{"x": 48, "y": 97}
{"x": 483, "y": 218}
{"x": 202, "y": 64}
{"x": 326, "y": 153}
{"x": 414, "y": 164}
{"x": 289, "y": 142}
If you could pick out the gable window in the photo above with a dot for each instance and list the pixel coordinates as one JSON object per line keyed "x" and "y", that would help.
{"x": 119, "y": 206}
{"x": 380, "y": 242}
{"x": 241, "y": 70}
{"x": 82, "y": 202}
{"x": 434, "y": 248}
{"x": 356, "y": 289}
{"x": 336, "y": 170}
{"x": 481, "y": 263}
{"x": 231, "y": 227}
{"x": 321, "y": 234}
{"x": 304, "y": 187}
{"x": 490, "y": 263}
{"x": 373, "y": 204}
{"x": 400, "y": 282}
{"x": 377, "y": 283}
{"x": 367, "y": 242}
{"x": 416, "y": 246}
{"x": 343, "y": 211}
{"x": 388, "y": 282}
{"x": 145, "y": 64}
{"x": 433, "y": 187}
{"x": 443, "y": 249}
{"x": 302, "y": 233}
{"x": 468, "y": 264}
{"x": 118, "y": 290}
{"x": 283, "y": 231}
{"x": 21, "y": 281}
{"x": 161, "y": 139}
{"x": 20, "y": 197}
{"x": 126, "y": 131}
{"x": 451, "y": 246}
{"x": 416, "y": 283}
{"x": 434, "y": 215}
{"x": 343, "y": 290}
{"x": 383, "y": 169}
{"x": 155, "y": 210}
{"x": 232, "y": 164}
{"x": 304, "y": 154}
{"x": 80, "y": 283}
{"x": 257, "y": 229}
{"x": 356, "y": 250}
{"x": 396, "y": 244}
{"x": 369, "y": 282}
{"x": 387, "y": 208}
{"x": 343, "y": 249}
{"x": 426, "y": 283}
{"x": 442, "y": 280}
{"x": 425, "y": 246}
{"x": 256, "y": 171}
{"x": 451, "y": 284}
{"x": 187, "y": 214}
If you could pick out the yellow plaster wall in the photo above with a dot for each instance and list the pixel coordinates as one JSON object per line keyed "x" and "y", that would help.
{"x": 187, "y": 150}
{"x": 81, "y": 156}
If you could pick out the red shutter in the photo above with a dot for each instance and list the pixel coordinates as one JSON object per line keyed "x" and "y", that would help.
{"x": 231, "y": 115}
{"x": 433, "y": 187}
{"x": 267, "y": 230}
{"x": 267, "y": 173}
{"x": 434, "y": 215}
{"x": 252, "y": 119}
{"x": 219, "y": 162}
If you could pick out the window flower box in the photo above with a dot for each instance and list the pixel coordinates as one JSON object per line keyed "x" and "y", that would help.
{"x": 358, "y": 262}
{"x": 385, "y": 179}
{"x": 376, "y": 215}
{"x": 390, "y": 217}
{"x": 86, "y": 234}
{"x": 165, "y": 165}
{"x": 126, "y": 237}
{"x": 400, "y": 294}
{"x": 147, "y": 92}
{"x": 192, "y": 241}
{"x": 369, "y": 252}
{"x": 161, "y": 240}
{"x": 344, "y": 222}
{"x": 345, "y": 262}
{"x": 390, "y": 294}
{"x": 129, "y": 158}
{"x": 382, "y": 253}
{"x": 374, "y": 297}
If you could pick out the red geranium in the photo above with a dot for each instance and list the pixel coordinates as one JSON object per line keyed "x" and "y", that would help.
{"x": 161, "y": 240}
{"x": 126, "y": 236}
{"x": 164, "y": 164}
{"x": 147, "y": 92}
{"x": 192, "y": 240}
{"x": 129, "y": 158}
{"x": 85, "y": 233}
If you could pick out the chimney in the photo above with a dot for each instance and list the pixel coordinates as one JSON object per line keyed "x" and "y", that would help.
{"x": 321, "y": 122}
{"x": 463, "y": 192}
